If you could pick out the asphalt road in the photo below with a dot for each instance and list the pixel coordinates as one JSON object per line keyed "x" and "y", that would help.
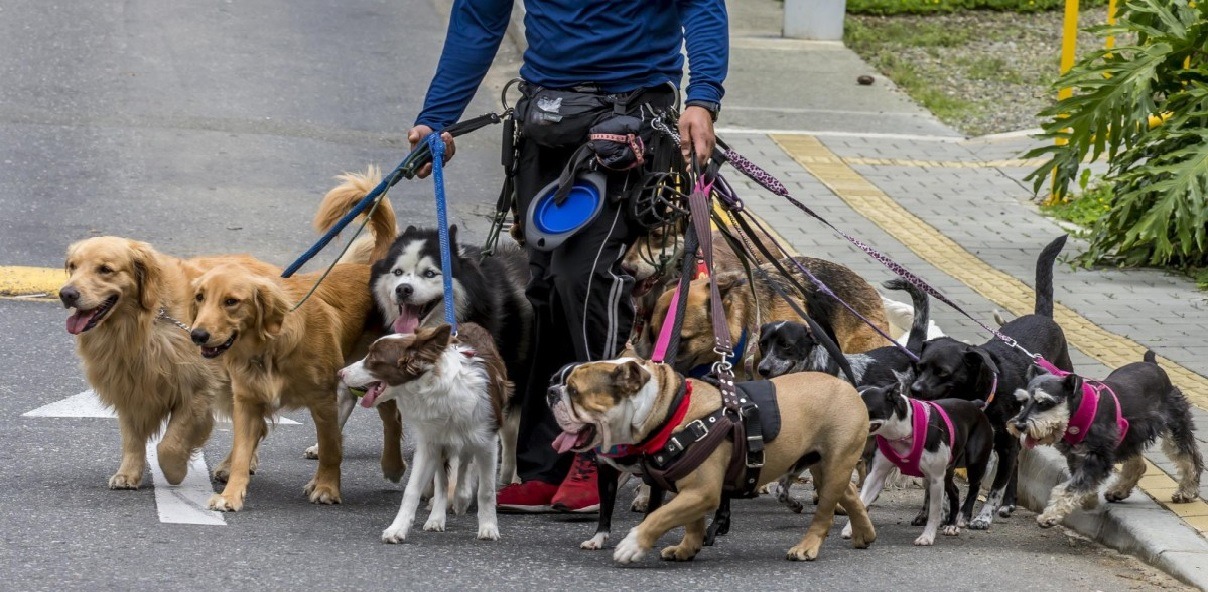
{"x": 207, "y": 127}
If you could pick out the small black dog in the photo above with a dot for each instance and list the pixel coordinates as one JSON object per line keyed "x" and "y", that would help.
{"x": 928, "y": 439}
{"x": 786, "y": 346}
{"x": 993, "y": 371}
{"x": 1098, "y": 424}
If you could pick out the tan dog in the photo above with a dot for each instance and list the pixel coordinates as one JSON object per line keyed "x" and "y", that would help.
{"x": 127, "y": 297}
{"x": 747, "y": 309}
{"x": 824, "y": 425}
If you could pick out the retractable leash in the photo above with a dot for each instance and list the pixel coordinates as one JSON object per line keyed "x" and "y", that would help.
{"x": 437, "y": 146}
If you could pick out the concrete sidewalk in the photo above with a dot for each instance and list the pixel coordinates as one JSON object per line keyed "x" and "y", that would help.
{"x": 955, "y": 211}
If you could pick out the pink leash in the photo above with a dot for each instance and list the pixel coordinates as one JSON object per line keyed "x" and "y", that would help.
{"x": 664, "y": 340}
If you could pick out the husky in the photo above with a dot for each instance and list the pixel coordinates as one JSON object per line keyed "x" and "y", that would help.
{"x": 488, "y": 291}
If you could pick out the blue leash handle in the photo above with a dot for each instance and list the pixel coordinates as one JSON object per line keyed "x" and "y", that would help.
{"x": 437, "y": 146}
{"x": 405, "y": 169}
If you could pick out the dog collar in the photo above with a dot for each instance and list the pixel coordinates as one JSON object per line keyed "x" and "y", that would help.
{"x": 703, "y": 370}
{"x": 1088, "y": 407}
{"x": 993, "y": 388}
{"x": 654, "y": 442}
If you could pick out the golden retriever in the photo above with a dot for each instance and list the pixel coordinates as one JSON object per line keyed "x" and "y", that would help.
{"x": 279, "y": 356}
{"x": 126, "y": 298}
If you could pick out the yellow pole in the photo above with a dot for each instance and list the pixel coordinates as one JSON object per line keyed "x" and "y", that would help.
{"x": 1069, "y": 46}
{"x": 1111, "y": 20}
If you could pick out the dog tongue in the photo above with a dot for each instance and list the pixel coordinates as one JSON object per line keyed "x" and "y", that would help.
{"x": 371, "y": 395}
{"x": 407, "y": 321}
{"x": 79, "y": 320}
{"x": 565, "y": 441}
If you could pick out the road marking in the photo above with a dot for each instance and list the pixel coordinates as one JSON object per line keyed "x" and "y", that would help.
{"x": 185, "y": 503}
{"x": 724, "y": 131}
{"x": 176, "y": 504}
{"x": 41, "y": 282}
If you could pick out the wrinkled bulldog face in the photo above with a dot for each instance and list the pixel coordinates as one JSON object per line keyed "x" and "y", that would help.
{"x": 601, "y": 403}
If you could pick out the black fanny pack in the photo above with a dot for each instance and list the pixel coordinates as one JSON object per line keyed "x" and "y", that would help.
{"x": 560, "y": 118}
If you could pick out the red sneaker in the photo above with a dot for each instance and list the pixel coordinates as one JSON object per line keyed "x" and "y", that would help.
{"x": 578, "y": 492}
{"x": 531, "y": 496}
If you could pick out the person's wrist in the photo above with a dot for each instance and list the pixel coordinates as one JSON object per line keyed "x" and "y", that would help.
{"x": 713, "y": 107}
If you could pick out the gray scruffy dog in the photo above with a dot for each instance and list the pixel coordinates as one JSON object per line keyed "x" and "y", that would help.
{"x": 1137, "y": 399}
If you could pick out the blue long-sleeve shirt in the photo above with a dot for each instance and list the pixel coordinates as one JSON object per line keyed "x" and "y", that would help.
{"x": 620, "y": 45}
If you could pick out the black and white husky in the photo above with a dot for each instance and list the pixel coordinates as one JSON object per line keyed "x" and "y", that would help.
{"x": 489, "y": 291}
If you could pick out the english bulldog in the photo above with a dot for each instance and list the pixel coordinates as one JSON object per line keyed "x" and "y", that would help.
{"x": 620, "y": 404}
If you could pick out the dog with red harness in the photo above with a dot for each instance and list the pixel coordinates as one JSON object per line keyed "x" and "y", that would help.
{"x": 1098, "y": 424}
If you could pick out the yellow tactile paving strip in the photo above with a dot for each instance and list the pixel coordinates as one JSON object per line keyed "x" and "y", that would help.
{"x": 1004, "y": 290}
{"x": 30, "y": 282}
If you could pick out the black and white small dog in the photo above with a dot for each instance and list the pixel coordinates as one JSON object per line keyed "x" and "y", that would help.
{"x": 788, "y": 346}
{"x": 1096, "y": 425}
{"x": 992, "y": 372}
{"x": 408, "y": 287}
{"x": 928, "y": 439}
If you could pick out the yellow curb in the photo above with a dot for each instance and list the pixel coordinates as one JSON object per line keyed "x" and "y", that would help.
{"x": 949, "y": 257}
{"x": 30, "y": 282}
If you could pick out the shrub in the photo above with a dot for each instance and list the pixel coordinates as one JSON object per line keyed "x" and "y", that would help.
{"x": 1158, "y": 205}
{"x": 887, "y": 7}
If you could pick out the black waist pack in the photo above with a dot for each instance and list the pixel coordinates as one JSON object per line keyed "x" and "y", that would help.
{"x": 559, "y": 118}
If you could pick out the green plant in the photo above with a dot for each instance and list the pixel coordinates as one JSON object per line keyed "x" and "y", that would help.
{"x": 1159, "y": 173}
{"x": 1084, "y": 210}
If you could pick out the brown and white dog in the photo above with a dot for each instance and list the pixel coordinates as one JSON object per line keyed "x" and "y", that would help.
{"x": 748, "y": 307}
{"x": 824, "y": 425}
{"x": 126, "y": 297}
{"x": 452, "y": 391}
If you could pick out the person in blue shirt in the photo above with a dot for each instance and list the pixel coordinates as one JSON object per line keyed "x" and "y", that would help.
{"x": 627, "y": 50}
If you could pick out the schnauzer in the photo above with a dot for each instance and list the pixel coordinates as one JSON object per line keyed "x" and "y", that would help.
{"x": 1098, "y": 424}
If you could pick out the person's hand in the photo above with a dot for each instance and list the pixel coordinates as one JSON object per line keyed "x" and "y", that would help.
{"x": 696, "y": 134}
{"x": 417, "y": 134}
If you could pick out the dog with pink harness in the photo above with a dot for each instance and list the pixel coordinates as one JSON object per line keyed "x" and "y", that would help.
{"x": 1098, "y": 424}
{"x": 928, "y": 439}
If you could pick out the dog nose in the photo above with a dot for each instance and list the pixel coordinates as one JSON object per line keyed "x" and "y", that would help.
{"x": 404, "y": 291}
{"x": 340, "y": 374}
{"x": 1022, "y": 426}
{"x": 69, "y": 296}
{"x": 764, "y": 371}
{"x": 916, "y": 389}
{"x": 200, "y": 336}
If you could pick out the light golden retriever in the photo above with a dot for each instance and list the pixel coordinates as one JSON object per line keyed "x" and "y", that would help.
{"x": 281, "y": 357}
{"x": 125, "y": 297}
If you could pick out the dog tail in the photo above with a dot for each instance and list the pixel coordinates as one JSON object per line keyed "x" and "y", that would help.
{"x": 922, "y": 312}
{"x": 340, "y": 200}
{"x": 1151, "y": 357}
{"x": 1044, "y": 276}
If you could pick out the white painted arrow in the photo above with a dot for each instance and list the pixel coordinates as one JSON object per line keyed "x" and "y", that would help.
{"x": 176, "y": 504}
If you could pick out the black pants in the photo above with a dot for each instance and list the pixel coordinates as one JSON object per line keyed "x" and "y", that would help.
{"x": 581, "y": 300}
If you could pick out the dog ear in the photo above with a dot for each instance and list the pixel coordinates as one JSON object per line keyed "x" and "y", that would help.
{"x": 438, "y": 336}
{"x": 629, "y": 377}
{"x": 146, "y": 273}
{"x": 452, "y": 234}
{"x": 410, "y": 228}
{"x": 272, "y": 304}
{"x": 1034, "y": 370}
{"x": 1072, "y": 385}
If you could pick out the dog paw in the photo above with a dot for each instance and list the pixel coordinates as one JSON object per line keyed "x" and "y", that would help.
{"x": 640, "y": 503}
{"x": 925, "y": 540}
{"x": 1047, "y": 520}
{"x": 803, "y": 553}
{"x": 435, "y": 524}
{"x": 394, "y": 536}
{"x": 311, "y": 452}
{"x": 951, "y": 530}
{"x": 863, "y": 541}
{"x": 846, "y": 531}
{"x": 122, "y": 481}
{"x": 595, "y": 543}
{"x": 628, "y": 551}
{"x": 920, "y": 520}
{"x": 678, "y": 553}
{"x": 1115, "y": 495}
{"x": 1006, "y": 511}
{"x": 1182, "y": 497}
{"x": 322, "y": 493}
{"x": 488, "y": 532}
{"x": 981, "y": 523}
{"x": 393, "y": 472}
{"x": 961, "y": 521}
{"x": 224, "y": 503}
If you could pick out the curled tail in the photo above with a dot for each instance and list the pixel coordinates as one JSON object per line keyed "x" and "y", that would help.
{"x": 1044, "y": 276}
{"x": 922, "y": 312}
{"x": 1151, "y": 357}
{"x": 340, "y": 200}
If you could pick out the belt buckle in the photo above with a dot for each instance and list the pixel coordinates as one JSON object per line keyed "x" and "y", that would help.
{"x": 755, "y": 459}
{"x": 698, "y": 426}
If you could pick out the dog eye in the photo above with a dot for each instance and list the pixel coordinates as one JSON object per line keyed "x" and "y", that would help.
{"x": 397, "y": 272}
{"x": 230, "y": 301}
{"x": 199, "y": 297}
{"x": 429, "y": 274}
{"x": 105, "y": 269}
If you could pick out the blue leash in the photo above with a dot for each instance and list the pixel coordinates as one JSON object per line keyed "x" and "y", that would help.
{"x": 437, "y": 146}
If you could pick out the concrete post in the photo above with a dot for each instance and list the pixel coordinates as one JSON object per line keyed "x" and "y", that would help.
{"x": 814, "y": 19}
